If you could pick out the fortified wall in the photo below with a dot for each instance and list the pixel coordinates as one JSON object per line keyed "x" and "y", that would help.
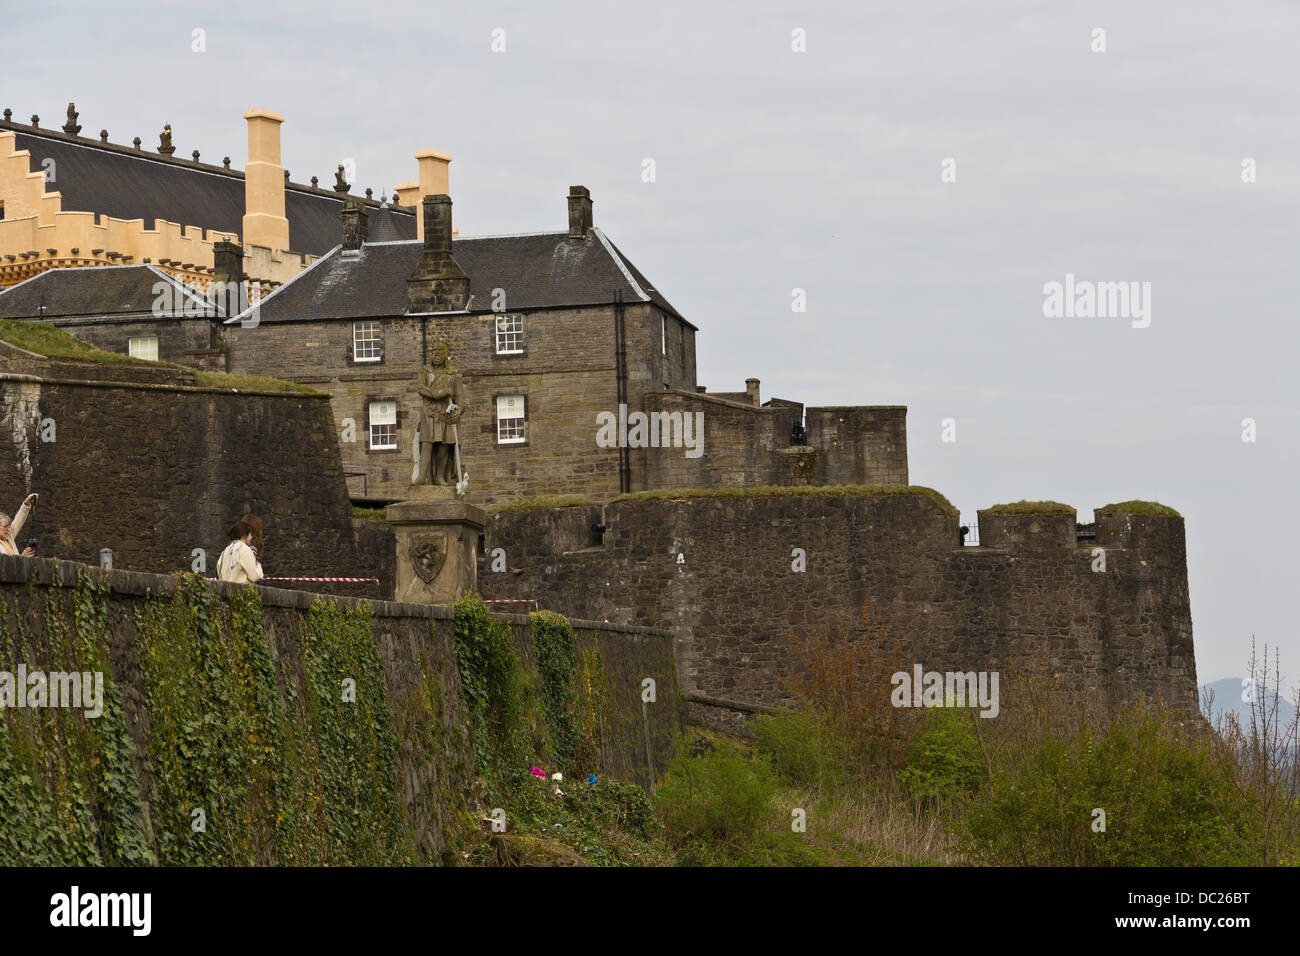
{"x": 144, "y": 460}
{"x": 749, "y": 446}
{"x": 194, "y": 669}
{"x": 720, "y": 570}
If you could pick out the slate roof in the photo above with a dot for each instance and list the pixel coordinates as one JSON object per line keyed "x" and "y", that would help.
{"x": 382, "y": 225}
{"x": 537, "y": 271}
{"x": 126, "y": 183}
{"x": 92, "y": 290}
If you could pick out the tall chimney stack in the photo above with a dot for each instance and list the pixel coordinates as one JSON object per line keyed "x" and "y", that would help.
{"x": 355, "y": 225}
{"x": 265, "y": 223}
{"x": 435, "y": 180}
{"x": 438, "y": 284}
{"x": 579, "y": 213}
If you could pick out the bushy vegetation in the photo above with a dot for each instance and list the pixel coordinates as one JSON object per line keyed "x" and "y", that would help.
{"x": 842, "y": 778}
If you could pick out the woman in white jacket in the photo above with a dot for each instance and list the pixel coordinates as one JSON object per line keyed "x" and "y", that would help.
{"x": 9, "y": 531}
{"x": 238, "y": 563}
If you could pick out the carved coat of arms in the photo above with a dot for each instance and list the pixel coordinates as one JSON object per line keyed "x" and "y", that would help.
{"x": 428, "y": 553}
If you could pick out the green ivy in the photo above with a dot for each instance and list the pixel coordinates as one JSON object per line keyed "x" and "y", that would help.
{"x": 553, "y": 653}
{"x": 70, "y": 794}
{"x": 593, "y": 702}
{"x": 494, "y": 690}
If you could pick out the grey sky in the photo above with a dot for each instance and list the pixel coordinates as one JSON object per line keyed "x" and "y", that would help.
{"x": 821, "y": 170}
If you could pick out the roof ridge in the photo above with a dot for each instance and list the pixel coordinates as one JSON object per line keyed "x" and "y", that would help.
{"x": 618, "y": 260}
{"x": 189, "y": 164}
{"x": 278, "y": 289}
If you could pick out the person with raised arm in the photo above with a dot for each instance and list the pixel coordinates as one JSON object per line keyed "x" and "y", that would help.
{"x": 11, "y": 528}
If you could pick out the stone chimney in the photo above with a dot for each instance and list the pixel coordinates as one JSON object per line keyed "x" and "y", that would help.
{"x": 264, "y": 221}
{"x": 438, "y": 284}
{"x": 435, "y": 180}
{"x": 579, "y": 213}
{"x": 751, "y": 389}
{"x": 227, "y": 262}
{"x": 355, "y": 220}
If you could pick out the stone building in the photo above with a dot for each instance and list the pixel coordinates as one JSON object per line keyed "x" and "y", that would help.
{"x": 136, "y": 310}
{"x": 581, "y": 374}
{"x": 68, "y": 201}
{"x": 563, "y": 344}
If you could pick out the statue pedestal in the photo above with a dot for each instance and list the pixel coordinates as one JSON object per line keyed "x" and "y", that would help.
{"x": 437, "y": 545}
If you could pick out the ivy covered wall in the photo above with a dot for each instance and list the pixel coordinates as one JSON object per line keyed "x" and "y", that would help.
{"x": 257, "y": 726}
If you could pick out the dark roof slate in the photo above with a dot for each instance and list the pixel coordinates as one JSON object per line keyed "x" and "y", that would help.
{"x": 126, "y": 184}
{"x": 382, "y": 226}
{"x": 538, "y": 271}
{"x": 97, "y": 290}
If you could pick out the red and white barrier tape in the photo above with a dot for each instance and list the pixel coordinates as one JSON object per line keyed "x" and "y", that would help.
{"x": 358, "y": 580}
{"x": 364, "y": 580}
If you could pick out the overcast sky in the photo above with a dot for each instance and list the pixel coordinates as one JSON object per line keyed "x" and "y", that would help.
{"x": 821, "y": 170}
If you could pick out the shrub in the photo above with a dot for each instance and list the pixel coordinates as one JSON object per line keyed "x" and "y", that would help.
{"x": 719, "y": 796}
{"x": 1153, "y": 787}
{"x": 800, "y": 746}
{"x": 944, "y": 763}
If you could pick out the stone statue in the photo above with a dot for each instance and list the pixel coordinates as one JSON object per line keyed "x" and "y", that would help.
{"x": 340, "y": 184}
{"x": 165, "y": 146}
{"x": 437, "y": 438}
{"x": 71, "y": 127}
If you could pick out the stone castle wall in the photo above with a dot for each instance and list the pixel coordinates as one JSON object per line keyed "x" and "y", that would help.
{"x": 154, "y": 468}
{"x": 1027, "y": 598}
{"x": 433, "y": 769}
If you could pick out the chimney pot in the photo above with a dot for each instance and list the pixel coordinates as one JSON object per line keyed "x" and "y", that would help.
{"x": 579, "y": 213}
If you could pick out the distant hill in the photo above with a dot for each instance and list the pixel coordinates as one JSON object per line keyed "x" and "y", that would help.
{"x": 1227, "y": 699}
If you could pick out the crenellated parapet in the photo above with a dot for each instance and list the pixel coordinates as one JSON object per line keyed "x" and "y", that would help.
{"x": 37, "y": 233}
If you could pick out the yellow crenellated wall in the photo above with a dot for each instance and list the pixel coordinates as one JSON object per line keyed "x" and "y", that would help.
{"x": 35, "y": 221}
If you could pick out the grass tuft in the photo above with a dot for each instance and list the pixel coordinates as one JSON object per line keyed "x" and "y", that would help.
{"x": 776, "y": 491}
{"x": 1031, "y": 508}
{"x": 1138, "y": 507}
{"x": 540, "y": 503}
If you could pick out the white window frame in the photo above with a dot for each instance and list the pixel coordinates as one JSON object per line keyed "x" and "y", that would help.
{"x": 513, "y": 334}
{"x": 512, "y": 430}
{"x": 377, "y": 420}
{"x": 368, "y": 348}
{"x": 140, "y": 346}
